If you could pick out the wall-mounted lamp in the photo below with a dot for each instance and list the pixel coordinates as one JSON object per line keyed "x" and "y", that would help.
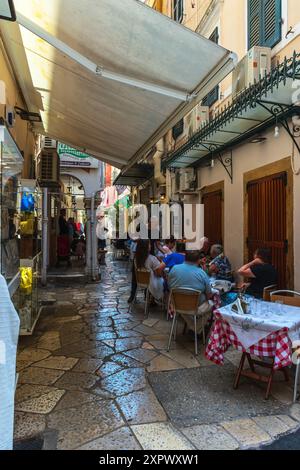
{"x": 258, "y": 140}
{"x": 7, "y": 10}
{"x": 27, "y": 116}
{"x": 276, "y": 132}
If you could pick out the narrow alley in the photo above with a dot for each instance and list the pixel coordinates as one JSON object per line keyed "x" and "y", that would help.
{"x": 94, "y": 376}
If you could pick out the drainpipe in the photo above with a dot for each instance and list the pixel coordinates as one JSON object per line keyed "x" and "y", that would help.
{"x": 45, "y": 237}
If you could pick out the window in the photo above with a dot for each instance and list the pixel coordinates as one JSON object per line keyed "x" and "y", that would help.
{"x": 178, "y": 129}
{"x": 178, "y": 10}
{"x": 212, "y": 96}
{"x": 264, "y": 23}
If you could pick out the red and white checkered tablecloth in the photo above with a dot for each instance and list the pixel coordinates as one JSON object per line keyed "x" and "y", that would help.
{"x": 277, "y": 345}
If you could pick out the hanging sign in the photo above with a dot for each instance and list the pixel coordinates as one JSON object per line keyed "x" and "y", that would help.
{"x": 72, "y": 158}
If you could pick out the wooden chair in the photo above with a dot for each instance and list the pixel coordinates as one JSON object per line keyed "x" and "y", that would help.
{"x": 143, "y": 281}
{"x": 186, "y": 302}
{"x": 288, "y": 297}
{"x": 267, "y": 292}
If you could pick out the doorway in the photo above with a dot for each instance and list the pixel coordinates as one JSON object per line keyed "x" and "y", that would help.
{"x": 213, "y": 200}
{"x": 269, "y": 220}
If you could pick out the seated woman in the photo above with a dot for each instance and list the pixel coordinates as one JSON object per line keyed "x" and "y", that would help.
{"x": 260, "y": 272}
{"x": 205, "y": 254}
{"x": 144, "y": 260}
{"x": 220, "y": 265}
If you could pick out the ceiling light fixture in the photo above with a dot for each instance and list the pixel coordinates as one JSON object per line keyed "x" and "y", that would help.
{"x": 7, "y": 10}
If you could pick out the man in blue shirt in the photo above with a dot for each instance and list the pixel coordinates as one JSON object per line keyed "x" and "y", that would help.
{"x": 190, "y": 276}
{"x": 169, "y": 261}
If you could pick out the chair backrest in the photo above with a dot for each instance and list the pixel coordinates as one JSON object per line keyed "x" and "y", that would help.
{"x": 286, "y": 297}
{"x": 142, "y": 277}
{"x": 267, "y": 292}
{"x": 186, "y": 301}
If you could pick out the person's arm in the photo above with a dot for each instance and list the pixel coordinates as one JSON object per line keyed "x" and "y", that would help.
{"x": 213, "y": 269}
{"x": 156, "y": 266}
{"x": 246, "y": 270}
{"x": 208, "y": 291}
{"x": 161, "y": 269}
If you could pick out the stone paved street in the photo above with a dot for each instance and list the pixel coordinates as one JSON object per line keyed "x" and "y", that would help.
{"x": 95, "y": 376}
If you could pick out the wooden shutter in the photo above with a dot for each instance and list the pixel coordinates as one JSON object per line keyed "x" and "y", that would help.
{"x": 271, "y": 15}
{"x": 254, "y": 23}
{"x": 213, "y": 216}
{"x": 267, "y": 220}
{"x": 264, "y": 23}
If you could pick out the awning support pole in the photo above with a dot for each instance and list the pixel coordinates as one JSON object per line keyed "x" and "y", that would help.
{"x": 98, "y": 69}
{"x": 45, "y": 237}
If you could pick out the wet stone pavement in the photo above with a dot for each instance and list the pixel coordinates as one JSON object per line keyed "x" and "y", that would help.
{"x": 94, "y": 376}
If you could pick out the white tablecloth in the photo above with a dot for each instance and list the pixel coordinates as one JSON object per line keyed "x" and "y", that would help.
{"x": 264, "y": 318}
{"x": 9, "y": 333}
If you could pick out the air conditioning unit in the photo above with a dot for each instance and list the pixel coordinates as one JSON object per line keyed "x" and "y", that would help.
{"x": 48, "y": 168}
{"x": 196, "y": 119}
{"x": 251, "y": 68}
{"x": 187, "y": 180}
{"x": 47, "y": 143}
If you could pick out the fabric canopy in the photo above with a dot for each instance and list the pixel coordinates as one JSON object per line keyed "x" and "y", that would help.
{"x": 116, "y": 122}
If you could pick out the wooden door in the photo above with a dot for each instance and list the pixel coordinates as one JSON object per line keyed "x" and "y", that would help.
{"x": 213, "y": 216}
{"x": 267, "y": 227}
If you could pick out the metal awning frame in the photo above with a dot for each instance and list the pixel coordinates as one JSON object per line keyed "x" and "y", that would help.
{"x": 98, "y": 69}
{"x": 249, "y": 99}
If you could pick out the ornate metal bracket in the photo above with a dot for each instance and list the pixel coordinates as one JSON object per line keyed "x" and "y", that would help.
{"x": 277, "y": 110}
{"x": 226, "y": 162}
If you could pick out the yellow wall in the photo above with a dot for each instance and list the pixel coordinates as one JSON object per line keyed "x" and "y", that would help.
{"x": 21, "y": 132}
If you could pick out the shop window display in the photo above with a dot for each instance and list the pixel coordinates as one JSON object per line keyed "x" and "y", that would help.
{"x": 20, "y": 220}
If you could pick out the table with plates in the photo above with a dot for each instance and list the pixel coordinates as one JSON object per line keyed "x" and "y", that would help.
{"x": 268, "y": 330}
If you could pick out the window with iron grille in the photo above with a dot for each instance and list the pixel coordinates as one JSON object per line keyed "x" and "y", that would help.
{"x": 178, "y": 10}
{"x": 213, "y": 95}
{"x": 264, "y": 23}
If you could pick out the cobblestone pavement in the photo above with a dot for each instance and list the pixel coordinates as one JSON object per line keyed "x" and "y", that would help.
{"x": 94, "y": 376}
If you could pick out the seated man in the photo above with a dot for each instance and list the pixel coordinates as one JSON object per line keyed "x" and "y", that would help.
{"x": 174, "y": 259}
{"x": 260, "y": 273}
{"x": 190, "y": 276}
{"x": 220, "y": 265}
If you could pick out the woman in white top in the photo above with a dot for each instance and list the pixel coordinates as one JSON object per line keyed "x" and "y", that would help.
{"x": 144, "y": 260}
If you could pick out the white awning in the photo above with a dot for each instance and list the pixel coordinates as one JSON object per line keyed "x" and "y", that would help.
{"x": 110, "y": 77}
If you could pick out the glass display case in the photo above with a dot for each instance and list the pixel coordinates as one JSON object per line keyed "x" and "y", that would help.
{"x": 20, "y": 232}
{"x": 11, "y": 164}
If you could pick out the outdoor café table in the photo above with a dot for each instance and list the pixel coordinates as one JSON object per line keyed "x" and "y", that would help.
{"x": 269, "y": 330}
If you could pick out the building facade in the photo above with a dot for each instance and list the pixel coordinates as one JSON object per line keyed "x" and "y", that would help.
{"x": 239, "y": 153}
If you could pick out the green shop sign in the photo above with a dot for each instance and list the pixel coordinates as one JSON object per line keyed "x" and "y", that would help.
{"x": 72, "y": 158}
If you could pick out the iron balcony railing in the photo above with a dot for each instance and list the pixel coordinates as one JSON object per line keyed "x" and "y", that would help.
{"x": 249, "y": 98}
